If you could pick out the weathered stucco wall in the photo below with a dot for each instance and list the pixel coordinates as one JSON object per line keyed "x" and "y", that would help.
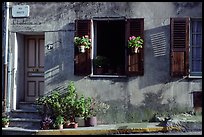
{"x": 131, "y": 99}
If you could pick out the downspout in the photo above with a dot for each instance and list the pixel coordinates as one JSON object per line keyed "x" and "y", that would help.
{"x": 5, "y": 44}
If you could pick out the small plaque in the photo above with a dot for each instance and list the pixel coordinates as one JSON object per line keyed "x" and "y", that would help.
{"x": 20, "y": 11}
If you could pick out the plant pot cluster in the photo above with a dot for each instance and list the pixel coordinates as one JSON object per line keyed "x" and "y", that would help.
{"x": 67, "y": 110}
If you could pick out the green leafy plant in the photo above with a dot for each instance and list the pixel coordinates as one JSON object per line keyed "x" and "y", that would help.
{"x": 79, "y": 107}
{"x": 84, "y": 40}
{"x": 59, "y": 120}
{"x": 135, "y": 42}
{"x": 5, "y": 119}
{"x": 101, "y": 61}
{"x": 94, "y": 107}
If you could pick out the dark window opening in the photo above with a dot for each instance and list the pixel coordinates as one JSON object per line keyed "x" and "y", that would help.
{"x": 111, "y": 45}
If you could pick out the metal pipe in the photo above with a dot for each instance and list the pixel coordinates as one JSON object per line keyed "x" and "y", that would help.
{"x": 5, "y": 44}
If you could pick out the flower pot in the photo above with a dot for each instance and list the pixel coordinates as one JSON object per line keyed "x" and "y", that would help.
{"x": 45, "y": 127}
{"x": 135, "y": 50}
{"x": 99, "y": 70}
{"x": 73, "y": 125}
{"x": 82, "y": 48}
{"x": 91, "y": 121}
{"x": 5, "y": 125}
{"x": 80, "y": 121}
{"x": 60, "y": 126}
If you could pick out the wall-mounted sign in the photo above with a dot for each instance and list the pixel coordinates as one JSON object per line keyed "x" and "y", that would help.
{"x": 20, "y": 11}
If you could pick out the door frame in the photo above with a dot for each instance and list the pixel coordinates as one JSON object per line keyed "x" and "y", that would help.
{"x": 25, "y": 74}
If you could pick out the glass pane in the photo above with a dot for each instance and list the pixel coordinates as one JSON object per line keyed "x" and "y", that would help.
{"x": 196, "y": 53}
{"x": 198, "y": 39}
{"x": 197, "y": 26}
{"x": 194, "y": 40}
{"x": 196, "y": 66}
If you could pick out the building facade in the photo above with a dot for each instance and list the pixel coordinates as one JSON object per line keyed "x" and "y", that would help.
{"x": 165, "y": 76}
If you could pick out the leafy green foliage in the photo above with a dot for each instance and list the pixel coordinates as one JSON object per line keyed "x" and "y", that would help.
{"x": 84, "y": 40}
{"x": 135, "y": 42}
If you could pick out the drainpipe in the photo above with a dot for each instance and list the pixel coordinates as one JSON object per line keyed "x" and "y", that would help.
{"x": 5, "y": 44}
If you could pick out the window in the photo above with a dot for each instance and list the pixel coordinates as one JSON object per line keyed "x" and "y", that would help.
{"x": 109, "y": 40}
{"x": 186, "y": 47}
{"x": 196, "y": 47}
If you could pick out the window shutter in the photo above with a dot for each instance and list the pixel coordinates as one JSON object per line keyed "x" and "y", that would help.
{"x": 82, "y": 61}
{"x": 135, "y": 62}
{"x": 179, "y": 46}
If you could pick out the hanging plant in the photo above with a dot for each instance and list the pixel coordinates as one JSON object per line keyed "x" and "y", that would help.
{"x": 82, "y": 43}
{"x": 135, "y": 43}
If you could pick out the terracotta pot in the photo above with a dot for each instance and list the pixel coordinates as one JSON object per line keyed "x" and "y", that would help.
{"x": 46, "y": 127}
{"x": 73, "y": 125}
{"x": 91, "y": 121}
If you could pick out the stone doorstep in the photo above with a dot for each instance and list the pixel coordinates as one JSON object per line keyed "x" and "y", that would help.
{"x": 20, "y": 113}
{"x": 25, "y": 123}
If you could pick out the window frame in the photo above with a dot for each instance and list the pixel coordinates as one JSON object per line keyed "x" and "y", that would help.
{"x": 94, "y": 45}
{"x": 191, "y": 73}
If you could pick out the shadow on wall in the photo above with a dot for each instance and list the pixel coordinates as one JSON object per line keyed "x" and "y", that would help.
{"x": 119, "y": 112}
{"x": 59, "y": 60}
{"x": 156, "y": 57}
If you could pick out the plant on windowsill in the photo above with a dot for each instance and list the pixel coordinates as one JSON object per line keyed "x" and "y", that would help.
{"x": 82, "y": 43}
{"x": 100, "y": 63}
{"x": 135, "y": 43}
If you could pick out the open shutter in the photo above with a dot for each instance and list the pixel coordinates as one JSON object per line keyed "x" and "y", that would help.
{"x": 179, "y": 46}
{"x": 135, "y": 62}
{"x": 82, "y": 61}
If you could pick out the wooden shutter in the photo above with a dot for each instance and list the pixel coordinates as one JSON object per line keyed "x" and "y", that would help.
{"x": 82, "y": 61}
{"x": 135, "y": 62}
{"x": 179, "y": 46}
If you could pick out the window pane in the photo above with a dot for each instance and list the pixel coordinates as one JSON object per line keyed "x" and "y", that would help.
{"x": 196, "y": 53}
{"x": 197, "y": 26}
{"x": 196, "y": 66}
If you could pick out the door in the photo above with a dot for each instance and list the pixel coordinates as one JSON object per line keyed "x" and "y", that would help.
{"x": 34, "y": 67}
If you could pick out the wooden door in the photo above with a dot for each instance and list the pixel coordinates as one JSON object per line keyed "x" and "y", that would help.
{"x": 34, "y": 67}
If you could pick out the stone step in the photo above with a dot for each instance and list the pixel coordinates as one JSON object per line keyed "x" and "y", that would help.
{"x": 25, "y": 123}
{"x": 18, "y": 131}
{"x": 21, "y": 113}
{"x": 27, "y": 106}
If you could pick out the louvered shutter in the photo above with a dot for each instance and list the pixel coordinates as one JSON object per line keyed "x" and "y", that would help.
{"x": 179, "y": 46}
{"x": 82, "y": 61}
{"x": 135, "y": 62}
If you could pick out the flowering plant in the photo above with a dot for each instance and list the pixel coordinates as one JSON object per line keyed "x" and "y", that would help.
{"x": 135, "y": 42}
{"x": 84, "y": 40}
{"x": 47, "y": 122}
{"x": 95, "y": 107}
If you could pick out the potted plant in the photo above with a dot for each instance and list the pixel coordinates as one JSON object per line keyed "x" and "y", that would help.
{"x": 59, "y": 121}
{"x": 5, "y": 120}
{"x": 47, "y": 123}
{"x": 82, "y": 43}
{"x": 135, "y": 43}
{"x": 100, "y": 63}
{"x": 93, "y": 108}
{"x": 79, "y": 106}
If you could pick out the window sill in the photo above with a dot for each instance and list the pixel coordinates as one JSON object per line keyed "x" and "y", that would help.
{"x": 199, "y": 77}
{"x": 107, "y": 76}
